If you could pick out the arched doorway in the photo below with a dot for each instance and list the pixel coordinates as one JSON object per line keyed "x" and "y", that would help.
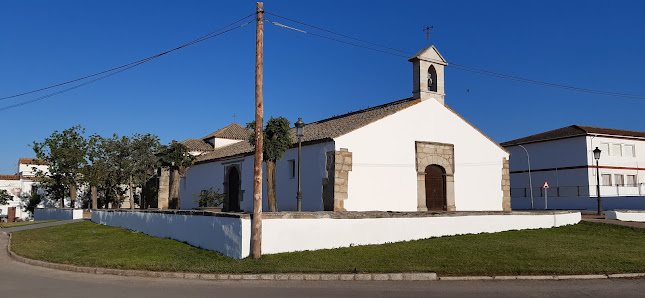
{"x": 435, "y": 185}
{"x": 233, "y": 192}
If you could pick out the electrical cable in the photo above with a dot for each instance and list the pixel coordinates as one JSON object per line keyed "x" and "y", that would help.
{"x": 200, "y": 39}
{"x": 450, "y": 64}
{"x": 122, "y": 69}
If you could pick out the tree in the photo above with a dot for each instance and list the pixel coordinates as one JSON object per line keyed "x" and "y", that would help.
{"x": 95, "y": 172}
{"x": 5, "y": 197}
{"x": 64, "y": 152}
{"x": 143, "y": 161}
{"x": 176, "y": 157}
{"x": 276, "y": 142}
{"x": 31, "y": 201}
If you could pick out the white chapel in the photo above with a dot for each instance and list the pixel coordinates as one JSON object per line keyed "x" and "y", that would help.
{"x": 413, "y": 154}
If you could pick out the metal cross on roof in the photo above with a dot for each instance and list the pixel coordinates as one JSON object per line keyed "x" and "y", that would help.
{"x": 427, "y": 31}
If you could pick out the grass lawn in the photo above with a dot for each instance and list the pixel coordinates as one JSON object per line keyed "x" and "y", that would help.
{"x": 23, "y": 223}
{"x": 580, "y": 249}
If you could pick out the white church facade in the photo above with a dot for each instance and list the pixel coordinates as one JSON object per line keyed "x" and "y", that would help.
{"x": 414, "y": 154}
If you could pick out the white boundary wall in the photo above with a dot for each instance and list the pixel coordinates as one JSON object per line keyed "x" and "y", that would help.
{"x": 54, "y": 213}
{"x": 288, "y": 235}
{"x": 230, "y": 234}
{"x": 626, "y": 215}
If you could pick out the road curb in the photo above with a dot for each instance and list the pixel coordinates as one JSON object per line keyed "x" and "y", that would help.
{"x": 429, "y": 276}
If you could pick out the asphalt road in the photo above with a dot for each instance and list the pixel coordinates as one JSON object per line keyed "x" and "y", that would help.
{"x": 22, "y": 280}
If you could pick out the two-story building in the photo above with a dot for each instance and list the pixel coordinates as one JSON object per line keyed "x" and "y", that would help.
{"x": 21, "y": 184}
{"x": 564, "y": 159}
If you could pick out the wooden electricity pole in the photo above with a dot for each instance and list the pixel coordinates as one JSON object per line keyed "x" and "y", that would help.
{"x": 256, "y": 229}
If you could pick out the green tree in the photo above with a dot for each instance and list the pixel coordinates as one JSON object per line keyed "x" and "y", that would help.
{"x": 176, "y": 157}
{"x": 5, "y": 197}
{"x": 276, "y": 141}
{"x": 31, "y": 201}
{"x": 64, "y": 152}
{"x": 95, "y": 172}
{"x": 143, "y": 162}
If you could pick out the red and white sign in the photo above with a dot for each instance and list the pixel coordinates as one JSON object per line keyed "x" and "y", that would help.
{"x": 546, "y": 185}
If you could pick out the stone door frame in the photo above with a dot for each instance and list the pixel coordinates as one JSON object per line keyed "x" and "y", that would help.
{"x": 433, "y": 153}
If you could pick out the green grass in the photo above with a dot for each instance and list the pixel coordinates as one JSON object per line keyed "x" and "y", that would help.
{"x": 23, "y": 223}
{"x": 584, "y": 248}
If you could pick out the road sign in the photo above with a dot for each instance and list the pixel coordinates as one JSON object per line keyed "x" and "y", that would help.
{"x": 546, "y": 185}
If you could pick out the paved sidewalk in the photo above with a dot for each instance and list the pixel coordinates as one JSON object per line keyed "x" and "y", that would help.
{"x": 631, "y": 224}
{"x": 42, "y": 225}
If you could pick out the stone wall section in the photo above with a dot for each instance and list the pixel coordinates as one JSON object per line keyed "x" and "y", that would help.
{"x": 335, "y": 185}
{"x": 506, "y": 185}
{"x": 431, "y": 153}
{"x": 164, "y": 189}
{"x": 343, "y": 165}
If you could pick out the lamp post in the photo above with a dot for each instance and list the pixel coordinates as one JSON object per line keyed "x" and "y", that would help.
{"x": 300, "y": 131}
{"x": 528, "y": 159}
{"x": 596, "y": 156}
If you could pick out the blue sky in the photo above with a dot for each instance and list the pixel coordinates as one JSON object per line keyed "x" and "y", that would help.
{"x": 194, "y": 91}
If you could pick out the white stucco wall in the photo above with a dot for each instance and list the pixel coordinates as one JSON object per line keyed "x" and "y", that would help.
{"x": 232, "y": 235}
{"x": 53, "y": 213}
{"x": 625, "y": 215}
{"x": 206, "y": 175}
{"x": 288, "y": 235}
{"x": 228, "y": 235}
{"x": 384, "y": 177}
{"x": 27, "y": 170}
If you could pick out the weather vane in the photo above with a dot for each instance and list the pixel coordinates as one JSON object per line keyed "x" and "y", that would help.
{"x": 427, "y": 31}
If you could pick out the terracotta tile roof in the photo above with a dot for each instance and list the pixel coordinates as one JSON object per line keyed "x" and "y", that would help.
{"x": 197, "y": 145}
{"x": 573, "y": 131}
{"x": 32, "y": 161}
{"x": 9, "y": 177}
{"x": 326, "y": 129}
{"x": 233, "y": 131}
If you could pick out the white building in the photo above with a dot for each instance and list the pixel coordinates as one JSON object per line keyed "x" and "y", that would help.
{"x": 564, "y": 159}
{"x": 21, "y": 184}
{"x": 414, "y": 154}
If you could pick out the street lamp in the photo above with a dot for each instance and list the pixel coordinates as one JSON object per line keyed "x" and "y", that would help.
{"x": 528, "y": 159}
{"x": 300, "y": 131}
{"x": 596, "y": 155}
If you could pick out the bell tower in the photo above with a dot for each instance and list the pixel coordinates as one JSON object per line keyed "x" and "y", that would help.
{"x": 427, "y": 69}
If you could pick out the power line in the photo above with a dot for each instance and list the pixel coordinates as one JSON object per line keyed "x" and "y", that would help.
{"x": 122, "y": 68}
{"x": 135, "y": 63}
{"x": 450, "y": 64}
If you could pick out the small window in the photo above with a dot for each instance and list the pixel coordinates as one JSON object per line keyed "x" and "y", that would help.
{"x": 615, "y": 150}
{"x": 631, "y": 180}
{"x": 292, "y": 168}
{"x": 620, "y": 179}
{"x": 605, "y": 179}
{"x": 629, "y": 151}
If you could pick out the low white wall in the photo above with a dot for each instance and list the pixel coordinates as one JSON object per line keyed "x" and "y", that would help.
{"x": 53, "y": 213}
{"x": 228, "y": 235}
{"x": 628, "y": 215}
{"x": 288, "y": 235}
{"x": 231, "y": 234}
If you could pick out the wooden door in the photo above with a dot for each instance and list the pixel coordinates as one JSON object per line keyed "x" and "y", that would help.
{"x": 435, "y": 188}
{"x": 233, "y": 189}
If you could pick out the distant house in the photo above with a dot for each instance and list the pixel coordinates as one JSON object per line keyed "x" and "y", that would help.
{"x": 21, "y": 184}
{"x": 414, "y": 154}
{"x": 564, "y": 159}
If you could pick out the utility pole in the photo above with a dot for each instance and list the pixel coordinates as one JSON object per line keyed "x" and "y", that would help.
{"x": 256, "y": 229}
